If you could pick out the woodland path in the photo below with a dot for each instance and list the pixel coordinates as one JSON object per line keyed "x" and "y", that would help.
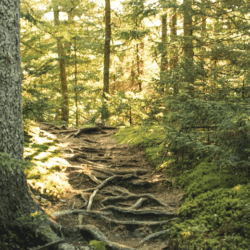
{"x": 115, "y": 197}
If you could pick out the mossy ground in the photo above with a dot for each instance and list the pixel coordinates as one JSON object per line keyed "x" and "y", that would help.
{"x": 153, "y": 139}
{"x": 44, "y": 177}
{"x": 216, "y": 211}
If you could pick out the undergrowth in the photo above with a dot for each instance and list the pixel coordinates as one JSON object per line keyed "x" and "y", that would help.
{"x": 152, "y": 138}
{"x": 216, "y": 211}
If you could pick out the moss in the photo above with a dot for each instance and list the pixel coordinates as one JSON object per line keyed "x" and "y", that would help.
{"x": 153, "y": 138}
{"x": 216, "y": 212}
{"x": 98, "y": 245}
{"x": 206, "y": 177}
{"x": 44, "y": 176}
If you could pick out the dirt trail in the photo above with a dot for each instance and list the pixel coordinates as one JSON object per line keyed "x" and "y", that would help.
{"x": 122, "y": 202}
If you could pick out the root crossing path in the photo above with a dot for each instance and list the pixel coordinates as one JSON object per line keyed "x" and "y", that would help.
{"x": 116, "y": 196}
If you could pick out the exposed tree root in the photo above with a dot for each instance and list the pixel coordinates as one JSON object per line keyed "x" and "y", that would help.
{"x": 97, "y": 234}
{"x": 102, "y": 215}
{"x": 92, "y": 163}
{"x": 123, "y": 166}
{"x": 86, "y": 131}
{"x": 95, "y": 214}
{"x": 138, "y": 203}
{"x": 100, "y": 175}
{"x": 116, "y": 191}
{"x": 112, "y": 178}
{"x": 154, "y": 235}
{"x": 93, "y": 178}
{"x": 120, "y": 208}
{"x": 90, "y": 150}
{"x": 63, "y": 131}
{"x": 134, "y": 196}
{"x": 91, "y": 199}
{"x": 48, "y": 245}
{"x": 138, "y": 212}
{"x": 76, "y": 157}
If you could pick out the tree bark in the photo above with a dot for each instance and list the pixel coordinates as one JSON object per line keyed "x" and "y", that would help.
{"x": 63, "y": 76}
{"x": 11, "y": 129}
{"x": 203, "y": 34}
{"x": 139, "y": 61}
{"x": 107, "y": 48}
{"x": 105, "y": 113}
{"x": 132, "y": 75}
{"x": 164, "y": 61}
{"x": 15, "y": 199}
{"x": 188, "y": 46}
{"x": 174, "y": 60}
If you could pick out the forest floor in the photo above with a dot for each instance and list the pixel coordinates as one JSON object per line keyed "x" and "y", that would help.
{"x": 110, "y": 190}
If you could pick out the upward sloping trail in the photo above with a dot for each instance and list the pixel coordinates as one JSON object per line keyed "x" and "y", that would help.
{"x": 117, "y": 197}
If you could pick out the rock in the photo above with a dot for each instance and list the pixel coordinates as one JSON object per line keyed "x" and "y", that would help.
{"x": 66, "y": 246}
{"x": 137, "y": 233}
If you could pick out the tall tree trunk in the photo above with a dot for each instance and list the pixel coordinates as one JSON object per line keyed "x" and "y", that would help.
{"x": 215, "y": 58}
{"x": 15, "y": 199}
{"x": 174, "y": 60}
{"x": 107, "y": 48}
{"x": 139, "y": 62}
{"x": 164, "y": 60}
{"x": 174, "y": 23}
{"x": 203, "y": 35}
{"x": 63, "y": 76}
{"x": 132, "y": 75}
{"x": 105, "y": 113}
{"x": 76, "y": 91}
{"x": 188, "y": 46}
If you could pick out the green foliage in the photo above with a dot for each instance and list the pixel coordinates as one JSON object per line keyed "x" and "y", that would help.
{"x": 9, "y": 164}
{"x": 216, "y": 219}
{"x": 153, "y": 138}
{"x": 98, "y": 245}
{"x": 200, "y": 128}
{"x": 206, "y": 177}
{"x": 215, "y": 213}
{"x": 127, "y": 108}
{"x": 34, "y": 220}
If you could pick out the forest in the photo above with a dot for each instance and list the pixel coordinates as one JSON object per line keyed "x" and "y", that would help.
{"x": 141, "y": 107}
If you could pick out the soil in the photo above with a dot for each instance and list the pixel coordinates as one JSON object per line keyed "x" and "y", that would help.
{"x": 115, "y": 195}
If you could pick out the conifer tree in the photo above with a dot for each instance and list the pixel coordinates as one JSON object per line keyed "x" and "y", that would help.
{"x": 188, "y": 46}
{"x": 107, "y": 47}
{"x": 62, "y": 65}
{"x": 164, "y": 61}
{"x": 17, "y": 207}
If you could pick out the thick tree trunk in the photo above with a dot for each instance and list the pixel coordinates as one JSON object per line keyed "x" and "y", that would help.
{"x": 11, "y": 129}
{"x": 15, "y": 200}
{"x": 63, "y": 76}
